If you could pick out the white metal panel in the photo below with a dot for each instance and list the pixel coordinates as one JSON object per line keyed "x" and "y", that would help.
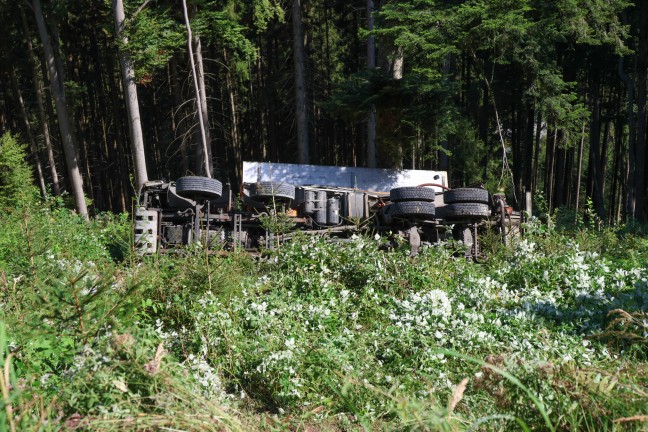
{"x": 146, "y": 227}
{"x": 367, "y": 179}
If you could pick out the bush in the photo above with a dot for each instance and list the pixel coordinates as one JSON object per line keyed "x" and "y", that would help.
{"x": 16, "y": 179}
{"x": 334, "y": 332}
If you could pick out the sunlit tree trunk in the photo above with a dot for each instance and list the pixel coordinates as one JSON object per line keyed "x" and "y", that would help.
{"x": 194, "y": 74}
{"x": 202, "y": 102}
{"x": 65, "y": 125}
{"x": 130, "y": 90}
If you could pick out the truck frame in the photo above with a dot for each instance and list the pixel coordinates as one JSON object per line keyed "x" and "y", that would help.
{"x": 276, "y": 201}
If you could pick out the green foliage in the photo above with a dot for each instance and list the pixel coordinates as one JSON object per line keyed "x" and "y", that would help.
{"x": 154, "y": 36}
{"x": 223, "y": 25}
{"x": 501, "y": 44}
{"x": 38, "y": 233}
{"x": 16, "y": 180}
{"x": 277, "y": 222}
{"x": 335, "y": 333}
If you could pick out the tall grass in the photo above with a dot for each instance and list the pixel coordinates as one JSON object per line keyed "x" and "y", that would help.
{"x": 548, "y": 334}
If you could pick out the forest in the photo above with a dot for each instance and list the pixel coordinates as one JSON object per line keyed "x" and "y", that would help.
{"x": 548, "y": 97}
{"x": 548, "y": 332}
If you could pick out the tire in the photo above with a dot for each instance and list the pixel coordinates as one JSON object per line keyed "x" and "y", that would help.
{"x": 466, "y": 195}
{"x": 467, "y": 210}
{"x": 268, "y": 190}
{"x": 412, "y": 193}
{"x": 412, "y": 209}
{"x": 199, "y": 187}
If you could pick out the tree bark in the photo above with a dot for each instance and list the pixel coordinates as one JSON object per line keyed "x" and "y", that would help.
{"x": 132, "y": 103}
{"x": 301, "y": 105}
{"x": 28, "y": 131}
{"x": 65, "y": 125}
{"x": 371, "y": 64}
{"x": 616, "y": 170}
{"x": 202, "y": 102}
{"x": 629, "y": 84}
{"x": 527, "y": 150}
{"x": 398, "y": 64}
{"x": 194, "y": 74}
{"x": 552, "y": 134}
{"x": 579, "y": 172}
{"x": 536, "y": 153}
{"x": 640, "y": 149}
{"x": 234, "y": 125}
{"x": 42, "y": 115}
{"x": 594, "y": 181}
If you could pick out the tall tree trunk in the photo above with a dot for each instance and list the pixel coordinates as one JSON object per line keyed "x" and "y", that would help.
{"x": 629, "y": 84}
{"x": 65, "y": 125}
{"x": 194, "y": 73}
{"x": 560, "y": 157}
{"x": 536, "y": 153}
{"x": 371, "y": 64}
{"x": 234, "y": 125}
{"x": 517, "y": 142}
{"x": 115, "y": 149}
{"x": 616, "y": 170}
{"x": 630, "y": 197}
{"x": 527, "y": 150}
{"x": 42, "y": 115}
{"x": 100, "y": 110}
{"x": 202, "y": 101}
{"x": 550, "y": 159}
{"x": 301, "y": 106}
{"x": 178, "y": 111}
{"x": 28, "y": 130}
{"x": 398, "y": 64}
{"x": 579, "y": 172}
{"x": 594, "y": 181}
{"x": 604, "y": 154}
{"x": 270, "y": 97}
{"x": 640, "y": 150}
{"x": 132, "y": 103}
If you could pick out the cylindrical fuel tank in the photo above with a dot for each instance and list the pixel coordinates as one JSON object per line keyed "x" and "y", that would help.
{"x": 333, "y": 211}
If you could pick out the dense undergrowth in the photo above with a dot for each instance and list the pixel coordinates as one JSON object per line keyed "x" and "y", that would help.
{"x": 550, "y": 333}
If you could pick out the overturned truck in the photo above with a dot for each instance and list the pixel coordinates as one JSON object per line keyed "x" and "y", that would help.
{"x": 276, "y": 201}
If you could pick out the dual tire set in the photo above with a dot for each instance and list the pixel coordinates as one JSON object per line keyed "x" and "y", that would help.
{"x": 407, "y": 202}
{"x": 418, "y": 203}
{"x": 205, "y": 188}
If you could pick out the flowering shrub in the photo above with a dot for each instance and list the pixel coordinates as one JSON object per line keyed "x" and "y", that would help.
{"x": 340, "y": 329}
{"x": 326, "y": 321}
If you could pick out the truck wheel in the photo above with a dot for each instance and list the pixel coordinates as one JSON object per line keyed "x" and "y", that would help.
{"x": 198, "y": 188}
{"x": 421, "y": 209}
{"x": 412, "y": 193}
{"x": 265, "y": 191}
{"x": 466, "y": 195}
{"x": 464, "y": 210}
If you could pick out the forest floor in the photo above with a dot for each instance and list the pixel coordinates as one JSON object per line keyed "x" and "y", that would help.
{"x": 550, "y": 333}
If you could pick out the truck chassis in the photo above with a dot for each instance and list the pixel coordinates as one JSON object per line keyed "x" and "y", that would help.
{"x": 277, "y": 201}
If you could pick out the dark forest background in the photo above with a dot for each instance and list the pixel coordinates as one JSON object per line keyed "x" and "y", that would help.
{"x": 517, "y": 95}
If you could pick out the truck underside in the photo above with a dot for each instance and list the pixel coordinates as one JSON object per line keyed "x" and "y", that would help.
{"x": 276, "y": 201}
